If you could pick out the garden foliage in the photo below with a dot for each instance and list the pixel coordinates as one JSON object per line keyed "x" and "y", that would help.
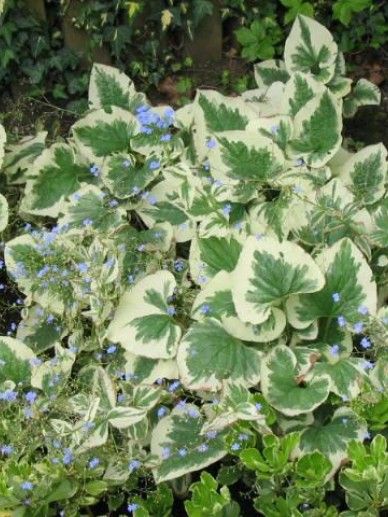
{"x": 200, "y": 285}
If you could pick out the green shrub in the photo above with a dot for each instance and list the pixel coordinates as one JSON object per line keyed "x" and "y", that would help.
{"x": 199, "y": 286}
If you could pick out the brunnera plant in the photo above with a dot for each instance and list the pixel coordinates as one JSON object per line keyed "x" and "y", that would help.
{"x": 188, "y": 274}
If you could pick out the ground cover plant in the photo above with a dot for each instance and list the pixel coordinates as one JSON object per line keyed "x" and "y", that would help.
{"x": 203, "y": 299}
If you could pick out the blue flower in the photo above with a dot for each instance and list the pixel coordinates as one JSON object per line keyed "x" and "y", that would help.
{"x": 358, "y": 327}
{"x": 193, "y": 412}
{"x": 155, "y": 164}
{"x": 367, "y": 365}
{"x": 8, "y": 395}
{"x": 162, "y": 411}
{"x": 365, "y": 343}
{"x": 171, "y": 310}
{"x": 93, "y": 463}
{"x": 6, "y": 450}
{"x": 126, "y": 163}
{"x": 166, "y": 137}
{"x": 111, "y": 349}
{"x": 363, "y": 310}
{"x": 27, "y": 485}
{"x": 68, "y": 457}
{"x": 235, "y": 446}
{"x": 95, "y": 170}
{"x": 203, "y": 447}
{"x": 174, "y": 386}
{"x": 334, "y": 350}
{"x": 299, "y": 162}
{"x": 87, "y": 222}
{"x": 227, "y": 209}
{"x": 182, "y": 452}
{"x": 211, "y": 143}
{"x": 274, "y": 129}
{"x": 134, "y": 465}
{"x": 181, "y": 405}
{"x": 31, "y": 396}
{"x": 211, "y": 435}
{"x": 141, "y": 247}
{"x": 113, "y": 203}
{"x": 179, "y": 265}
{"x": 258, "y": 406}
{"x": 336, "y": 297}
{"x": 166, "y": 451}
{"x": 152, "y": 200}
{"x": 205, "y": 308}
{"x": 243, "y": 437}
{"x": 132, "y": 507}
{"x": 341, "y": 321}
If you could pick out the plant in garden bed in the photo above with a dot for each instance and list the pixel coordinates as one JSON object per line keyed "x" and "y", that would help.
{"x": 200, "y": 286}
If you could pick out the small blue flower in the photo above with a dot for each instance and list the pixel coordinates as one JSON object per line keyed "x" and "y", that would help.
{"x": 367, "y": 435}
{"x": 258, "y": 406}
{"x": 211, "y": 435}
{"x": 6, "y": 450}
{"x": 152, "y": 200}
{"x": 235, "y": 446}
{"x": 182, "y": 452}
{"x": 126, "y": 164}
{"x": 358, "y": 327}
{"x": 243, "y": 437}
{"x": 334, "y": 350}
{"x": 93, "y": 463}
{"x": 155, "y": 164}
{"x": 274, "y": 129}
{"x": 95, "y": 170}
{"x": 132, "y": 507}
{"x": 367, "y": 365}
{"x": 87, "y": 222}
{"x": 193, "y": 412}
{"x": 211, "y": 143}
{"x": 68, "y": 457}
{"x": 218, "y": 183}
{"x": 134, "y": 465}
{"x": 365, "y": 343}
{"x": 299, "y": 162}
{"x": 174, "y": 386}
{"x": 113, "y": 203}
{"x": 8, "y": 395}
{"x": 179, "y": 265}
{"x": 336, "y": 297}
{"x": 135, "y": 190}
{"x": 166, "y": 138}
{"x": 181, "y": 405}
{"x": 111, "y": 349}
{"x": 27, "y": 485}
{"x": 171, "y": 311}
{"x": 166, "y": 451}
{"x": 205, "y": 308}
{"x": 363, "y": 310}
{"x": 31, "y": 397}
{"x": 341, "y": 321}
{"x": 203, "y": 447}
{"x": 227, "y": 209}
{"x": 82, "y": 267}
{"x": 202, "y": 279}
{"x": 162, "y": 411}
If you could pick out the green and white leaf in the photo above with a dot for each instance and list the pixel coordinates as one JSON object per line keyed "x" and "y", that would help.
{"x": 123, "y": 417}
{"x": 36, "y": 332}
{"x": 310, "y": 48}
{"x": 379, "y": 234}
{"x": 146, "y": 370}
{"x": 345, "y": 374}
{"x": 365, "y": 173}
{"x": 108, "y": 87}
{"x": 317, "y": 130}
{"x": 347, "y": 273}
{"x": 141, "y": 323}
{"x": 56, "y": 174}
{"x": 3, "y": 213}
{"x": 15, "y": 359}
{"x": 299, "y": 90}
{"x": 208, "y": 358}
{"x": 20, "y": 156}
{"x": 332, "y": 439}
{"x": 3, "y": 139}
{"x": 247, "y": 156}
{"x": 364, "y": 93}
{"x": 180, "y": 431}
{"x": 89, "y": 202}
{"x": 267, "y": 273}
{"x": 270, "y": 71}
{"x": 286, "y": 389}
{"x": 100, "y": 134}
